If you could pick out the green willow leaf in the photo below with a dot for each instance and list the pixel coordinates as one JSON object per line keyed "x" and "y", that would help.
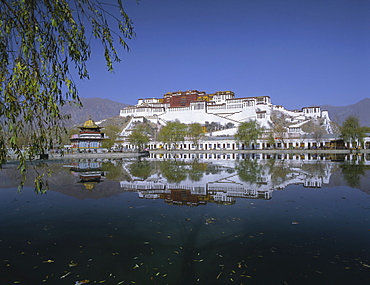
{"x": 40, "y": 41}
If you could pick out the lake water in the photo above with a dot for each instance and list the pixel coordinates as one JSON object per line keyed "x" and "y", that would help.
{"x": 208, "y": 220}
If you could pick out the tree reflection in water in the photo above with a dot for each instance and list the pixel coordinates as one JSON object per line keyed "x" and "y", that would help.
{"x": 352, "y": 171}
{"x": 249, "y": 170}
{"x": 176, "y": 171}
{"x": 173, "y": 170}
{"x": 140, "y": 168}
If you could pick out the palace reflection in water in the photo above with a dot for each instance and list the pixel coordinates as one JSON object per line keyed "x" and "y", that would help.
{"x": 88, "y": 171}
{"x": 190, "y": 179}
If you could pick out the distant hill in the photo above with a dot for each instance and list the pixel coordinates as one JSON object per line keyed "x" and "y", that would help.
{"x": 360, "y": 110}
{"x": 97, "y": 108}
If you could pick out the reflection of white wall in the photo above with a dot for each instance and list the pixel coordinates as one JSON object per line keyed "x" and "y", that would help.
{"x": 226, "y": 187}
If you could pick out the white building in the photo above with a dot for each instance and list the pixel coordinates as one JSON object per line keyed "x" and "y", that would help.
{"x": 221, "y": 107}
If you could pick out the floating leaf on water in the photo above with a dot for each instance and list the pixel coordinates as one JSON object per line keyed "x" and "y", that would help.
{"x": 82, "y": 282}
{"x": 65, "y": 275}
{"x": 146, "y": 242}
{"x": 115, "y": 253}
{"x": 157, "y": 273}
{"x": 136, "y": 266}
{"x": 48, "y": 261}
{"x": 219, "y": 274}
{"x": 102, "y": 281}
{"x": 176, "y": 252}
{"x": 164, "y": 275}
{"x": 119, "y": 283}
{"x": 366, "y": 265}
{"x": 72, "y": 264}
{"x": 295, "y": 223}
{"x": 246, "y": 276}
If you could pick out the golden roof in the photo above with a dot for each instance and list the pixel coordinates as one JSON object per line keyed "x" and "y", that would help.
{"x": 90, "y": 124}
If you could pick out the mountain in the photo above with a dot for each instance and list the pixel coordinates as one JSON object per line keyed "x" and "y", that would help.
{"x": 340, "y": 114}
{"x": 97, "y": 108}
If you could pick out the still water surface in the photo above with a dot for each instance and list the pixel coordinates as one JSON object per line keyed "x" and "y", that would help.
{"x": 181, "y": 221}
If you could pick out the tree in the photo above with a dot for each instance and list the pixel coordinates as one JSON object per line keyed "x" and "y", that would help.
{"x": 195, "y": 133}
{"x": 248, "y": 132}
{"x": 140, "y": 135}
{"x": 111, "y": 132}
{"x": 271, "y": 139}
{"x": 39, "y": 42}
{"x": 315, "y": 129}
{"x": 279, "y": 125}
{"x": 173, "y": 133}
{"x": 213, "y": 126}
{"x": 351, "y": 131}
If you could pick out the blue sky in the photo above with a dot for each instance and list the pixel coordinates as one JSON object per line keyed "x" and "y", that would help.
{"x": 300, "y": 53}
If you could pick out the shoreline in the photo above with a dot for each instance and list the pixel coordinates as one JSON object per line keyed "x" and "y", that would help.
{"x": 221, "y": 151}
{"x": 266, "y": 151}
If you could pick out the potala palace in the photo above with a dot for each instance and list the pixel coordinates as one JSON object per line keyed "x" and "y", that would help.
{"x": 221, "y": 107}
{"x": 224, "y": 108}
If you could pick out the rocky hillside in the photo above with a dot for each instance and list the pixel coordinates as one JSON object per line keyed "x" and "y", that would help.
{"x": 338, "y": 114}
{"x": 97, "y": 108}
